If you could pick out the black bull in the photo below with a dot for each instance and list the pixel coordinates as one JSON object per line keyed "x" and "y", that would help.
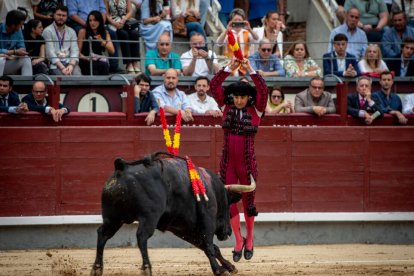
{"x": 156, "y": 192}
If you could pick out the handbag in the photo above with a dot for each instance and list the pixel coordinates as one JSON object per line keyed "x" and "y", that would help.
{"x": 179, "y": 28}
{"x": 131, "y": 24}
{"x": 191, "y": 18}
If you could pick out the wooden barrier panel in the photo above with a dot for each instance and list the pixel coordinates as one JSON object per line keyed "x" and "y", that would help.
{"x": 60, "y": 170}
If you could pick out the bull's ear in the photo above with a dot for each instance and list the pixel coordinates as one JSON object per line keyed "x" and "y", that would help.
{"x": 233, "y": 197}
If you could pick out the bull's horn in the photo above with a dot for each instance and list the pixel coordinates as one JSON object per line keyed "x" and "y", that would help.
{"x": 242, "y": 188}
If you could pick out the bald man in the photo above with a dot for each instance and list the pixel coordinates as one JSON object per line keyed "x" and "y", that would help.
{"x": 171, "y": 98}
{"x": 37, "y": 101}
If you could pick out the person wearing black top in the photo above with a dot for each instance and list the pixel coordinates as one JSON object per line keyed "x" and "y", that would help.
{"x": 101, "y": 42}
{"x": 35, "y": 46}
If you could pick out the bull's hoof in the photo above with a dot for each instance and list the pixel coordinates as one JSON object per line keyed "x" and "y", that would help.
{"x": 225, "y": 273}
{"x": 97, "y": 270}
{"x": 146, "y": 270}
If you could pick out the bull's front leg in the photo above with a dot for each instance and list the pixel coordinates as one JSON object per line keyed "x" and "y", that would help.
{"x": 210, "y": 251}
{"x": 225, "y": 263}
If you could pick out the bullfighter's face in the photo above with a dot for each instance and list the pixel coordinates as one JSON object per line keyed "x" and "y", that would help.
{"x": 240, "y": 101}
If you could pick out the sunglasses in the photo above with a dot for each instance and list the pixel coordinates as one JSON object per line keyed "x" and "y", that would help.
{"x": 276, "y": 97}
{"x": 266, "y": 49}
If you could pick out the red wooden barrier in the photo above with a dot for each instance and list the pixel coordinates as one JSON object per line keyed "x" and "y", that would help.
{"x": 61, "y": 170}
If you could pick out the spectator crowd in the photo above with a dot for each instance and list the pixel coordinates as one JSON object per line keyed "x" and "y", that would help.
{"x": 74, "y": 37}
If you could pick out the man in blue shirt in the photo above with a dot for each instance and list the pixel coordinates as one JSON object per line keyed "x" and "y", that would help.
{"x": 393, "y": 36}
{"x": 144, "y": 99}
{"x": 387, "y": 101}
{"x": 264, "y": 62}
{"x": 13, "y": 56}
{"x": 357, "y": 39}
{"x": 172, "y": 99}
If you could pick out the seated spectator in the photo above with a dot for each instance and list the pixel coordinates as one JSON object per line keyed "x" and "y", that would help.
{"x": 298, "y": 63}
{"x": 339, "y": 62}
{"x": 119, "y": 11}
{"x": 14, "y": 59}
{"x": 408, "y": 104}
{"x": 392, "y": 38}
{"x": 360, "y": 104}
{"x": 189, "y": 10}
{"x": 154, "y": 23}
{"x": 159, "y": 60}
{"x": 272, "y": 30}
{"x": 407, "y": 6}
{"x": 264, "y": 62}
{"x": 35, "y": 46}
{"x": 374, "y": 17}
{"x": 372, "y": 63}
{"x": 61, "y": 45}
{"x": 243, "y": 34}
{"x": 388, "y": 101}
{"x": 276, "y": 103}
{"x": 144, "y": 98}
{"x": 314, "y": 100}
{"x": 402, "y": 64}
{"x": 78, "y": 11}
{"x": 172, "y": 99}
{"x": 101, "y": 42}
{"x": 9, "y": 100}
{"x": 36, "y": 101}
{"x": 200, "y": 102}
{"x": 357, "y": 39}
{"x": 44, "y": 10}
{"x": 199, "y": 61}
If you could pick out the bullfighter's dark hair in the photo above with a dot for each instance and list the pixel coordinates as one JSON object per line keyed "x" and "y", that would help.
{"x": 240, "y": 88}
{"x": 7, "y": 78}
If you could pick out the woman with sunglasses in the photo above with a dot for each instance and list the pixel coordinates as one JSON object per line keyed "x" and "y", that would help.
{"x": 276, "y": 103}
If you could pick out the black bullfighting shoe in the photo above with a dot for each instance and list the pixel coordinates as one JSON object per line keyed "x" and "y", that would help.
{"x": 238, "y": 254}
{"x": 248, "y": 254}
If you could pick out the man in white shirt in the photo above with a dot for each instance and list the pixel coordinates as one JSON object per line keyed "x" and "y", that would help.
{"x": 199, "y": 61}
{"x": 408, "y": 104}
{"x": 200, "y": 102}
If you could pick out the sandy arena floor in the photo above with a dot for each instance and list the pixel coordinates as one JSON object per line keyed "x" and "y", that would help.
{"x": 349, "y": 259}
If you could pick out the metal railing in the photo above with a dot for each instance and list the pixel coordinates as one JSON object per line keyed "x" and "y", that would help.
{"x": 221, "y": 59}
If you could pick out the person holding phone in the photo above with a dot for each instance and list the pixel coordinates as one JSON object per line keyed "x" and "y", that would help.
{"x": 199, "y": 61}
{"x": 242, "y": 32}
